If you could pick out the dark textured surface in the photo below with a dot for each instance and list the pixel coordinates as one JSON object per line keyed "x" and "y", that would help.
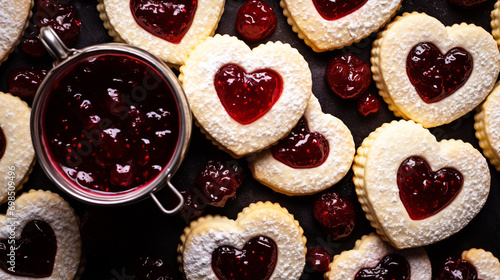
{"x": 115, "y": 237}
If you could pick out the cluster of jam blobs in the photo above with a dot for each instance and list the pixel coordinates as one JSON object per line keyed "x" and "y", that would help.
{"x": 24, "y": 82}
{"x": 255, "y": 21}
{"x": 349, "y": 77}
{"x": 335, "y": 213}
{"x": 454, "y": 268}
{"x": 391, "y": 267}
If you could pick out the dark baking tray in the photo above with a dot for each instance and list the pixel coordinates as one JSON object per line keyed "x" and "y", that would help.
{"x": 115, "y": 237}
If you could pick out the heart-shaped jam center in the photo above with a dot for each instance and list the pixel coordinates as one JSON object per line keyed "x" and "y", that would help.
{"x": 391, "y": 267}
{"x": 167, "y": 19}
{"x": 456, "y": 268}
{"x": 3, "y": 143}
{"x": 335, "y": 9}
{"x": 436, "y": 76}
{"x": 247, "y": 97}
{"x": 256, "y": 261}
{"x": 33, "y": 254}
{"x": 302, "y": 148}
{"x": 424, "y": 192}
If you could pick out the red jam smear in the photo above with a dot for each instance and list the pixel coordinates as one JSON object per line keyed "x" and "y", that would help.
{"x": 367, "y": 104}
{"x": 391, "y": 267}
{"x": 302, "y": 148}
{"x": 436, "y": 76}
{"x": 423, "y": 191}
{"x": 335, "y": 213}
{"x": 256, "y": 261}
{"x": 120, "y": 125}
{"x": 454, "y": 268}
{"x": 247, "y": 97}
{"x": 255, "y": 21}
{"x": 35, "y": 251}
{"x": 3, "y": 143}
{"x": 169, "y": 20}
{"x": 24, "y": 82}
{"x": 318, "y": 259}
{"x": 332, "y": 10}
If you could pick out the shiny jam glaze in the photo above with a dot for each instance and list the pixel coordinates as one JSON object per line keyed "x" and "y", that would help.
{"x": 423, "y": 191}
{"x": 35, "y": 251}
{"x": 391, "y": 267}
{"x": 367, "y": 104}
{"x": 3, "y": 143}
{"x": 256, "y": 261}
{"x": 247, "y": 97}
{"x": 219, "y": 180}
{"x": 335, "y": 213}
{"x": 302, "y": 148}
{"x": 152, "y": 267}
{"x": 317, "y": 259}
{"x": 111, "y": 130}
{"x": 454, "y": 268}
{"x": 436, "y": 76}
{"x": 169, "y": 20}
{"x": 24, "y": 82}
{"x": 255, "y": 21}
{"x": 348, "y": 75}
{"x": 332, "y": 10}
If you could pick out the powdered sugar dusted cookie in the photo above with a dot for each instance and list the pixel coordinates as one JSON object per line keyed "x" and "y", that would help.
{"x": 15, "y": 16}
{"x": 417, "y": 191}
{"x": 264, "y": 242}
{"x": 487, "y": 125}
{"x": 431, "y": 73}
{"x": 487, "y": 266}
{"x": 373, "y": 257}
{"x": 313, "y": 157}
{"x": 246, "y": 100}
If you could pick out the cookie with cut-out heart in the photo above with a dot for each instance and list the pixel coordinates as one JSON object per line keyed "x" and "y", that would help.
{"x": 473, "y": 264}
{"x": 245, "y": 100}
{"x": 417, "y": 191}
{"x": 431, "y": 73}
{"x": 168, "y": 29}
{"x": 372, "y": 258}
{"x": 265, "y": 242}
{"x": 15, "y": 15}
{"x": 327, "y": 25}
{"x": 316, "y": 155}
{"x": 41, "y": 230}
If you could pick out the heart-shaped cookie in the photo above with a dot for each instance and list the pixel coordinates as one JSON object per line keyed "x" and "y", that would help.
{"x": 148, "y": 24}
{"x": 431, "y": 73}
{"x": 271, "y": 240}
{"x": 245, "y": 100}
{"x": 372, "y": 258}
{"x": 16, "y": 14}
{"x": 480, "y": 263}
{"x": 391, "y": 155}
{"x": 41, "y": 230}
{"x": 328, "y": 25}
{"x": 313, "y": 157}
{"x": 487, "y": 125}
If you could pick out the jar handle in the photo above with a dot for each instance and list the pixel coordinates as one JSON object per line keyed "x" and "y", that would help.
{"x": 177, "y": 193}
{"x": 54, "y": 45}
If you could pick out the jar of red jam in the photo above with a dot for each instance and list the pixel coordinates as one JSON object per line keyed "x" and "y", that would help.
{"x": 110, "y": 123}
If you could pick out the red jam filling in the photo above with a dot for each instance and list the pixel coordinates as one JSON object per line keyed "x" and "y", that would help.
{"x": 335, "y": 9}
{"x": 455, "y": 268}
{"x": 34, "y": 252}
{"x": 423, "y": 191}
{"x": 247, "y": 97}
{"x": 391, "y": 267}
{"x": 255, "y": 21}
{"x": 302, "y": 148}
{"x": 256, "y": 261}
{"x": 3, "y": 143}
{"x": 436, "y": 76}
{"x": 119, "y": 128}
{"x": 169, "y": 20}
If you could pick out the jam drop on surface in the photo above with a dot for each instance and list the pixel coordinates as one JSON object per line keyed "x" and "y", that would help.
{"x": 348, "y": 75}
{"x": 436, "y": 76}
{"x": 424, "y": 192}
{"x": 467, "y": 3}
{"x": 302, "y": 148}
{"x": 35, "y": 251}
{"x": 3, "y": 143}
{"x": 61, "y": 16}
{"x": 367, "y": 104}
{"x": 119, "y": 129}
{"x": 256, "y": 261}
{"x": 169, "y": 20}
{"x": 454, "y": 268}
{"x": 151, "y": 267}
{"x": 391, "y": 267}
{"x": 332, "y": 10}
{"x": 255, "y": 21}
{"x": 24, "y": 82}
{"x": 219, "y": 180}
{"x": 335, "y": 213}
{"x": 318, "y": 259}
{"x": 247, "y": 97}
{"x": 194, "y": 204}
